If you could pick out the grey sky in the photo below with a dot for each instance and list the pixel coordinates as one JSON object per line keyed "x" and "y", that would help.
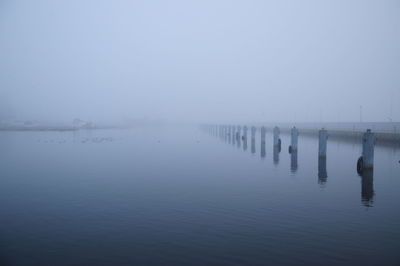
{"x": 200, "y": 60}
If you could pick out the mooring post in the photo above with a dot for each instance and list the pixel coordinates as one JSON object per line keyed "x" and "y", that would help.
{"x": 295, "y": 134}
{"x": 276, "y": 136}
{"x": 276, "y": 154}
{"x": 233, "y": 134}
{"x": 262, "y": 150}
{"x": 368, "y": 143}
{"x": 263, "y": 133}
{"x": 239, "y": 132}
{"x": 238, "y": 135}
{"x": 253, "y": 132}
{"x": 244, "y": 138}
{"x": 323, "y": 137}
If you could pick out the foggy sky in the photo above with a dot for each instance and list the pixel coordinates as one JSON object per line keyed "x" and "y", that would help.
{"x": 200, "y": 61}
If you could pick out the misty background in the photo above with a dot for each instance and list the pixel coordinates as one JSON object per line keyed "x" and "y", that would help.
{"x": 200, "y": 61}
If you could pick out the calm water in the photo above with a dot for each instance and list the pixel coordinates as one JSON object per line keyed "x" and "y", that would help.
{"x": 178, "y": 196}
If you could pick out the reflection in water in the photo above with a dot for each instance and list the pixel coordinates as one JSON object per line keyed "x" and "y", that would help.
{"x": 276, "y": 154}
{"x": 262, "y": 149}
{"x": 293, "y": 161}
{"x": 367, "y": 187}
{"x": 322, "y": 173}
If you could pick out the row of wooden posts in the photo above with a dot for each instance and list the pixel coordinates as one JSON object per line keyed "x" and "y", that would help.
{"x": 365, "y": 161}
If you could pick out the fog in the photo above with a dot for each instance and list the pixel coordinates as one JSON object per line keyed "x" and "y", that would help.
{"x": 200, "y": 61}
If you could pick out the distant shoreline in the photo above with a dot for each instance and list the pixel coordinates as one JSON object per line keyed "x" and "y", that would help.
{"x": 38, "y": 129}
{"x": 60, "y": 128}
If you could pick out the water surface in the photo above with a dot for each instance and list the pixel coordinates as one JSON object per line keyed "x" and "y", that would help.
{"x": 179, "y": 196}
